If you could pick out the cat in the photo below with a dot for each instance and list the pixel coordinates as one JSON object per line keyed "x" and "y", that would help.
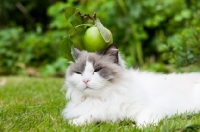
{"x": 101, "y": 89}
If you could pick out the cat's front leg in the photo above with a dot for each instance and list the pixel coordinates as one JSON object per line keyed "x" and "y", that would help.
{"x": 82, "y": 120}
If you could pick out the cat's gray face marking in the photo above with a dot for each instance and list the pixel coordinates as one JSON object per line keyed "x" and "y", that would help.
{"x": 105, "y": 63}
{"x": 101, "y": 64}
{"x": 77, "y": 67}
{"x": 93, "y": 73}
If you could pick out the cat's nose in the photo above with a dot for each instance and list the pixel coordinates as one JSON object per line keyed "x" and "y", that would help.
{"x": 86, "y": 81}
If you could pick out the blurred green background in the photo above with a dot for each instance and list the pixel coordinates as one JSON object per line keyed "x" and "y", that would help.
{"x": 153, "y": 35}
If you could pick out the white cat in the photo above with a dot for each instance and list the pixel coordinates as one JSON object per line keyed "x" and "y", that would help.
{"x": 100, "y": 88}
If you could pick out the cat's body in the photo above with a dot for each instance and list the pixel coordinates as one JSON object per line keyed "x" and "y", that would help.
{"x": 100, "y": 88}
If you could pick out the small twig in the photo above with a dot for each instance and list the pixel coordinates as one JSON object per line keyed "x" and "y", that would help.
{"x": 95, "y": 15}
{"x": 85, "y": 16}
{"x": 24, "y": 11}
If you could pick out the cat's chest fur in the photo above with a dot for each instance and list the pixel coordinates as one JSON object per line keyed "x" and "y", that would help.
{"x": 100, "y": 88}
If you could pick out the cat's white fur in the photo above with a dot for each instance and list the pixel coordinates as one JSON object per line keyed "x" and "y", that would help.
{"x": 143, "y": 97}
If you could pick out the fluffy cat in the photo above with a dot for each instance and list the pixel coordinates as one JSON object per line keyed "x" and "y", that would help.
{"x": 100, "y": 88}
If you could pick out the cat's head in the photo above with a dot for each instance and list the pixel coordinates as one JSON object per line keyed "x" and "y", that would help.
{"x": 93, "y": 71}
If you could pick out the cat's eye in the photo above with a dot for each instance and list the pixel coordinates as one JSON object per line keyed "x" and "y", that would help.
{"x": 97, "y": 69}
{"x": 78, "y": 72}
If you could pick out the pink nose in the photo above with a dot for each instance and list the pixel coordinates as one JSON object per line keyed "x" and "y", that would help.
{"x": 86, "y": 81}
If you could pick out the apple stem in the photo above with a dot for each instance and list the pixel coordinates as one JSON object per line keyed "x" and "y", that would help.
{"x": 89, "y": 25}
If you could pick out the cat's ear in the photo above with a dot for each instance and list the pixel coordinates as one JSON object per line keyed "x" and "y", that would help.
{"x": 75, "y": 53}
{"x": 112, "y": 50}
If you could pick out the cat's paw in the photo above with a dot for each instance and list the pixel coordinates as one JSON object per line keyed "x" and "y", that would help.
{"x": 142, "y": 123}
{"x": 149, "y": 117}
{"x": 79, "y": 121}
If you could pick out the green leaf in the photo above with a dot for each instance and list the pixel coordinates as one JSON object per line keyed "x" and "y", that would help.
{"x": 65, "y": 48}
{"x": 69, "y": 11}
{"x": 71, "y": 31}
{"x": 73, "y": 16}
{"x": 76, "y": 16}
{"x": 75, "y": 20}
{"x": 80, "y": 10}
{"x": 103, "y": 31}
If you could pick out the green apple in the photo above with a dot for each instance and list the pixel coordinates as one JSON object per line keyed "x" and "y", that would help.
{"x": 93, "y": 41}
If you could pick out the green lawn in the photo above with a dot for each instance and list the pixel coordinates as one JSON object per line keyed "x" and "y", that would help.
{"x": 35, "y": 104}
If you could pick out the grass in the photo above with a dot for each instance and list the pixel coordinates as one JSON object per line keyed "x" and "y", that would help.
{"x": 35, "y": 104}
